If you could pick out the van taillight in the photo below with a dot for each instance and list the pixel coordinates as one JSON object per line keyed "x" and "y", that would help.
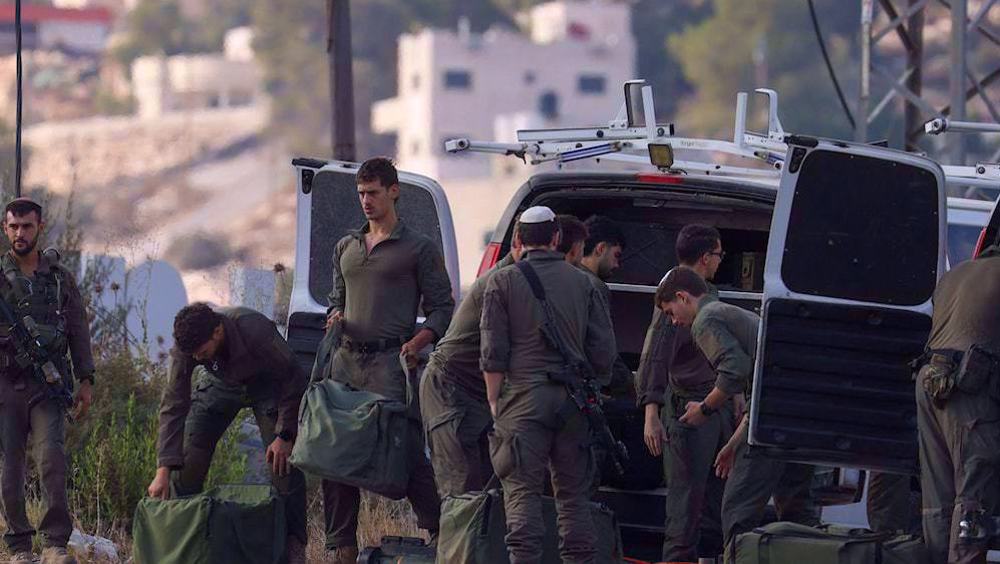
{"x": 979, "y": 243}
{"x": 490, "y": 258}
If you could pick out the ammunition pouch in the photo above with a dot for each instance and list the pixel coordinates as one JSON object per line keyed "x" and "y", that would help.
{"x": 939, "y": 376}
{"x": 977, "y": 368}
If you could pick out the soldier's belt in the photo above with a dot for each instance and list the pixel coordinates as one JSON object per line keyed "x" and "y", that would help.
{"x": 371, "y": 347}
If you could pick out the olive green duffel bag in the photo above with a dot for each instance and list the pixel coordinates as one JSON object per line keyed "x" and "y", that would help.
{"x": 473, "y": 526}
{"x": 788, "y": 543}
{"x": 353, "y": 437}
{"x": 239, "y": 524}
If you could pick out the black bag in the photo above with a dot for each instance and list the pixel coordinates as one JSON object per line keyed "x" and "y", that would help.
{"x": 398, "y": 550}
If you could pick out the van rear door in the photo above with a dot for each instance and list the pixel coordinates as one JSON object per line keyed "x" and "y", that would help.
{"x": 856, "y": 247}
{"x": 327, "y": 209}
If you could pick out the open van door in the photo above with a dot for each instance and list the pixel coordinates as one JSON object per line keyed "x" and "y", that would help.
{"x": 856, "y": 247}
{"x": 327, "y": 209}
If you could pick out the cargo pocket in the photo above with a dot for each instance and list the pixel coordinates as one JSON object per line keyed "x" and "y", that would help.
{"x": 503, "y": 453}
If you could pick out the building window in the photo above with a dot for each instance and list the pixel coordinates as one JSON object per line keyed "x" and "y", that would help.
{"x": 457, "y": 80}
{"x": 591, "y": 84}
{"x": 529, "y": 77}
{"x": 548, "y": 105}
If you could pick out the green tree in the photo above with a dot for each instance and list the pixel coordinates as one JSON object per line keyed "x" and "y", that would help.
{"x": 717, "y": 58}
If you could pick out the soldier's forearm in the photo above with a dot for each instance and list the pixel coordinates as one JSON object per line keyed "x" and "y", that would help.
{"x": 716, "y": 398}
{"x": 493, "y": 382}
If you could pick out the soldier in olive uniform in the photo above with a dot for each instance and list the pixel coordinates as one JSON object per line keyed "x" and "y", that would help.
{"x": 536, "y": 426}
{"x": 672, "y": 372}
{"x": 958, "y": 409}
{"x": 727, "y": 335}
{"x": 453, "y": 402}
{"x": 247, "y": 364}
{"x": 35, "y": 284}
{"x": 382, "y": 274}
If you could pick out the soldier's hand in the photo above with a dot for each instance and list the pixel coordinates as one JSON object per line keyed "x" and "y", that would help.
{"x": 655, "y": 435}
{"x": 82, "y": 400}
{"x": 277, "y": 456}
{"x": 333, "y": 317}
{"x": 693, "y": 415}
{"x": 160, "y": 486}
{"x": 724, "y": 460}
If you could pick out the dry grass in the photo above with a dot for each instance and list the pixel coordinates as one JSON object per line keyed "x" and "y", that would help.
{"x": 379, "y": 517}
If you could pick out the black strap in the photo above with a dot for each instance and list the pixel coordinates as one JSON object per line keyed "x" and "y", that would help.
{"x": 533, "y": 280}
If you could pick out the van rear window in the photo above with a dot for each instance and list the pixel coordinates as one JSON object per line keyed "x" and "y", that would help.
{"x": 863, "y": 229}
{"x": 336, "y": 211}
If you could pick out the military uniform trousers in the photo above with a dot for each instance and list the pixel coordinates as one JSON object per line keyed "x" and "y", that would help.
{"x": 25, "y": 409}
{"x": 214, "y": 407}
{"x": 379, "y": 373}
{"x": 457, "y": 426}
{"x": 959, "y": 467}
{"x": 534, "y": 431}
{"x": 888, "y": 504}
{"x": 693, "y": 526}
{"x": 753, "y": 481}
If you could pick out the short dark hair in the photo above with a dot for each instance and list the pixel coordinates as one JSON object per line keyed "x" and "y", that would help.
{"x": 694, "y": 241}
{"x": 680, "y": 279}
{"x": 193, "y": 326}
{"x": 537, "y": 234}
{"x": 573, "y": 232}
{"x": 22, "y": 207}
{"x": 379, "y": 168}
{"x": 601, "y": 229}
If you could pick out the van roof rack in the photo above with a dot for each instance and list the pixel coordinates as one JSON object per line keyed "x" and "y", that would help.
{"x": 635, "y": 137}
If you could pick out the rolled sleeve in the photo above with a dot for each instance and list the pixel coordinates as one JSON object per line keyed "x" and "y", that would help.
{"x": 733, "y": 366}
{"x": 78, "y": 332}
{"x": 435, "y": 287}
{"x": 601, "y": 348}
{"x": 494, "y": 328}
{"x": 291, "y": 379}
{"x": 174, "y": 407}
{"x": 651, "y": 378}
{"x": 338, "y": 293}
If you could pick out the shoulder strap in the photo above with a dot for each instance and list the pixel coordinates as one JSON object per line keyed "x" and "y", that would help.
{"x": 532, "y": 277}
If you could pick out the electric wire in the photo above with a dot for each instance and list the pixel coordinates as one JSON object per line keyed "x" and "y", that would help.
{"x": 829, "y": 65}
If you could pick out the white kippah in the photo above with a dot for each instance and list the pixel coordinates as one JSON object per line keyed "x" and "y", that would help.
{"x": 537, "y": 214}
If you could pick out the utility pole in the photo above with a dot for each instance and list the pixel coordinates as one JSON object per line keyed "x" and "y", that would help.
{"x": 338, "y": 48}
{"x": 864, "y": 86}
{"x": 912, "y": 118}
{"x": 958, "y": 46}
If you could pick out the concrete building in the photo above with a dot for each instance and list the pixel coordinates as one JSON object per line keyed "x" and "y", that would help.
{"x": 565, "y": 68}
{"x": 80, "y": 31}
{"x": 164, "y": 84}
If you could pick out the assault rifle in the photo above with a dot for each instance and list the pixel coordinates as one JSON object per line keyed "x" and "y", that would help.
{"x": 30, "y": 352}
{"x": 578, "y": 377}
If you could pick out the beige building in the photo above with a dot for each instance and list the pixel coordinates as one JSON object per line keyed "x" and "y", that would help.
{"x": 565, "y": 68}
{"x": 190, "y": 82}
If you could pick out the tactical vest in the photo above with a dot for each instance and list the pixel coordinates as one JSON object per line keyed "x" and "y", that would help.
{"x": 42, "y": 297}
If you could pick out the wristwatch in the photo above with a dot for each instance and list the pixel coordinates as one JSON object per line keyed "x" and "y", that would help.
{"x": 285, "y": 435}
{"x": 705, "y": 410}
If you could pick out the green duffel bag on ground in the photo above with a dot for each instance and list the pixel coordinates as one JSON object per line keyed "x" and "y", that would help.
{"x": 240, "y": 524}
{"x": 791, "y": 543}
{"x": 473, "y": 527}
{"x": 353, "y": 437}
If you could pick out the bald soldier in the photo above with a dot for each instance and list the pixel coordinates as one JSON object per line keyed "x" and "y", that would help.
{"x": 536, "y": 425}
{"x": 453, "y": 401}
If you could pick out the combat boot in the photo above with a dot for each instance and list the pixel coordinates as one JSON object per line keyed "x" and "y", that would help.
{"x": 342, "y": 555}
{"x": 57, "y": 555}
{"x": 22, "y": 557}
{"x": 295, "y": 551}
